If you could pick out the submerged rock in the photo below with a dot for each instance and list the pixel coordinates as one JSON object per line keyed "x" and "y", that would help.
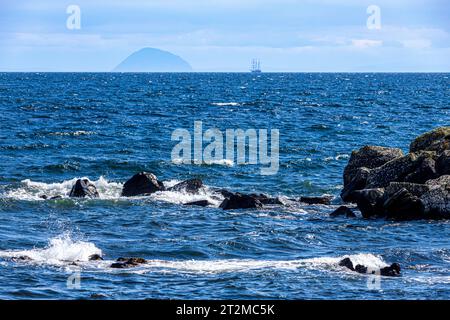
{"x": 189, "y": 186}
{"x": 200, "y": 203}
{"x": 95, "y": 257}
{"x": 142, "y": 183}
{"x": 343, "y": 211}
{"x": 317, "y": 200}
{"x": 128, "y": 262}
{"x": 83, "y": 188}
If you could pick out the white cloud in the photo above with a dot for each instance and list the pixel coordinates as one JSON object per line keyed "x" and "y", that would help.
{"x": 366, "y": 43}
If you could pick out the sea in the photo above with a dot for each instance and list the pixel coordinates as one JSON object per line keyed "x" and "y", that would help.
{"x": 58, "y": 127}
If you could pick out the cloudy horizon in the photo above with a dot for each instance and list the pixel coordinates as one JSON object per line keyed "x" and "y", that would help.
{"x": 220, "y": 35}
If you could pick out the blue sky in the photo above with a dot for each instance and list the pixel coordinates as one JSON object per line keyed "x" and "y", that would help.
{"x": 224, "y": 35}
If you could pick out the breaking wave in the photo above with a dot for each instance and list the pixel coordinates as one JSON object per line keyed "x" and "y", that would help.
{"x": 63, "y": 251}
{"x": 34, "y": 191}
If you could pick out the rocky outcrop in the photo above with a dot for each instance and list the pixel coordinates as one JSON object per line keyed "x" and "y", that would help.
{"x": 405, "y": 187}
{"x": 83, "y": 188}
{"x": 142, "y": 183}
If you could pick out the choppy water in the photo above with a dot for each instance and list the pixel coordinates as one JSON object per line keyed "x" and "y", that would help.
{"x": 55, "y": 128}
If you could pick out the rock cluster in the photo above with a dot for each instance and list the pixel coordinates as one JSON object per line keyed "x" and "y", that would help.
{"x": 384, "y": 182}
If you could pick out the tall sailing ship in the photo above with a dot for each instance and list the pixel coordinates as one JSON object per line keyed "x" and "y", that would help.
{"x": 255, "y": 66}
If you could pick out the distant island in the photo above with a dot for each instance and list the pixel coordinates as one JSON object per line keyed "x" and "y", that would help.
{"x": 153, "y": 60}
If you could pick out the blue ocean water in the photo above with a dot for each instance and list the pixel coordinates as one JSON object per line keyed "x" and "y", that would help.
{"x": 56, "y": 127}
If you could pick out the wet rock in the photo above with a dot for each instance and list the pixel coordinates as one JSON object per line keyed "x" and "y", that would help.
{"x": 343, "y": 211}
{"x": 370, "y": 202}
{"x": 240, "y": 201}
{"x": 43, "y": 197}
{"x": 200, "y": 203}
{"x": 128, "y": 262}
{"x": 436, "y": 140}
{"x": 369, "y": 157}
{"x": 55, "y": 198}
{"x": 83, "y": 188}
{"x": 317, "y": 200}
{"x": 20, "y": 259}
{"x": 402, "y": 205}
{"x": 358, "y": 182}
{"x": 189, "y": 186}
{"x": 95, "y": 257}
{"x": 142, "y": 183}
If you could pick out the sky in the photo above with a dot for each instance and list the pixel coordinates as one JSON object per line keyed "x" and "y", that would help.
{"x": 224, "y": 35}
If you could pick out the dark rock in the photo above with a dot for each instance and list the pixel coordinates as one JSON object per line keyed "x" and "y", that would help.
{"x": 358, "y": 182}
{"x": 436, "y": 140}
{"x": 414, "y": 188}
{"x": 316, "y": 200}
{"x": 360, "y": 268}
{"x": 370, "y": 202}
{"x": 201, "y": 203}
{"x": 369, "y": 157}
{"x": 346, "y": 262}
{"x": 190, "y": 186}
{"x": 56, "y": 198}
{"x": 43, "y": 197}
{"x": 225, "y": 193}
{"x": 425, "y": 171}
{"x": 393, "y": 170}
{"x": 443, "y": 163}
{"x": 128, "y": 262}
{"x": 402, "y": 205}
{"x": 240, "y": 201}
{"x": 83, "y": 188}
{"x": 142, "y": 183}
{"x": 343, "y": 211}
{"x": 392, "y": 271}
{"x": 436, "y": 201}
{"x": 95, "y": 257}
{"x": 266, "y": 200}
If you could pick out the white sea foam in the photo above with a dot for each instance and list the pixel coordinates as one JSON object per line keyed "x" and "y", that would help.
{"x": 221, "y": 162}
{"x": 63, "y": 251}
{"x": 60, "y": 251}
{"x": 224, "y": 104}
{"x": 74, "y": 133}
{"x": 33, "y": 190}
